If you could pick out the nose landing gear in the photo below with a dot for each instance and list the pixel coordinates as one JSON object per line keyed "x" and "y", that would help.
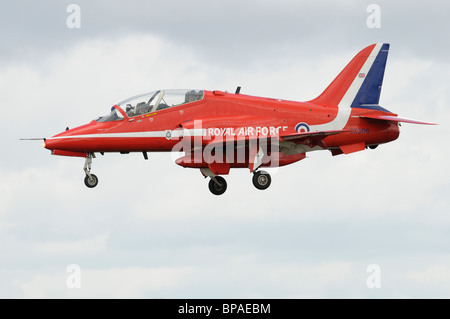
{"x": 90, "y": 180}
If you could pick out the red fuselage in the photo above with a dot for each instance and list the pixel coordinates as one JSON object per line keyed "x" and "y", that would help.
{"x": 223, "y": 116}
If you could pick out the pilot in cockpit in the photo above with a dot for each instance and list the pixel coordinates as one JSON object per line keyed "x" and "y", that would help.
{"x": 192, "y": 96}
{"x": 130, "y": 110}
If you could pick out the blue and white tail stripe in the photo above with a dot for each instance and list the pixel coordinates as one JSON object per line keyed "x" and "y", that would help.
{"x": 362, "y": 77}
{"x": 368, "y": 95}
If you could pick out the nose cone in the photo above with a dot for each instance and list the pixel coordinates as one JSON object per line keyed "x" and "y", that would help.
{"x": 59, "y": 145}
{"x": 50, "y": 144}
{"x": 69, "y": 140}
{"x": 64, "y": 144}
{"x": 58, "y": 141}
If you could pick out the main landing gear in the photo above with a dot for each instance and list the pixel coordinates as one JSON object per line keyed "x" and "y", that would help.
{"x": 218, "y": 185}
{"x": 261, "y": 180}
{"x": 90, "y": 180}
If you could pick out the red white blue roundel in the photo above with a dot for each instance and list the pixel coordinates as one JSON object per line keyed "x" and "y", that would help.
{"x": 302, "y": 128}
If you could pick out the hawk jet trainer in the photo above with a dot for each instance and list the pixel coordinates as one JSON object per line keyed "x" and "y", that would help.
{"x": 217, "y": 131}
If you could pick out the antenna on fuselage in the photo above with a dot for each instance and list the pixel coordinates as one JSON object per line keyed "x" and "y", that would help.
{"x": 238, "y": 90}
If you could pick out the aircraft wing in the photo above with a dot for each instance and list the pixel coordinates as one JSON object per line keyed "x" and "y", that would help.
{"x": 301, "y": 137}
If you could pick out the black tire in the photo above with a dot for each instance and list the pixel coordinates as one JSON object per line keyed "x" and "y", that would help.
{"x": 261, "y": 180}
{"x": 91, "y": 182}
{"x": 218, "y": 189}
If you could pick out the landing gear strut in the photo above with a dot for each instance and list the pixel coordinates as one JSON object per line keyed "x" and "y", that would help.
{"x": 217, "y": 185}
{"x": 261, "y": 180}
{"x": 90, "y": 180}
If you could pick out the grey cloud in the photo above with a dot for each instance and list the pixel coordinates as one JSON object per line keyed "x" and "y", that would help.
{"x": 233, "y": 33}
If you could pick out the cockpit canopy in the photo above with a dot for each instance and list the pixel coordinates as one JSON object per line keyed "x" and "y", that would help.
{"x": 151, "y": 102}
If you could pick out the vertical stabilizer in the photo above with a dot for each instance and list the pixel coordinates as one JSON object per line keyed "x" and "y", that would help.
{"x": 359, "y": 83}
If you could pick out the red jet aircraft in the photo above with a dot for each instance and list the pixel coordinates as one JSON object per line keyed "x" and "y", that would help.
{"x": 218, "y": 130}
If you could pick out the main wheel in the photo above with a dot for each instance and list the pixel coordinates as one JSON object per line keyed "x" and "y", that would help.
{"x": 261, "y": 180}
{"x": 215, "y": 188}
{"x": 91, "y": 182}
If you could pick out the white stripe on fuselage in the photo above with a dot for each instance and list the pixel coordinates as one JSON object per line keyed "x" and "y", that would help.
{"x": 344, "y": 109}
{"x": 173, "y": 134}
{"x": 130, "y": 134}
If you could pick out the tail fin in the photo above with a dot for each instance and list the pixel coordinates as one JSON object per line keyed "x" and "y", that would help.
{"x": 359, "y": 83}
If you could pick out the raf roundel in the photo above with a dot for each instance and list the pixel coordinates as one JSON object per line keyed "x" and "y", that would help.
{"x": 302, "y": 128}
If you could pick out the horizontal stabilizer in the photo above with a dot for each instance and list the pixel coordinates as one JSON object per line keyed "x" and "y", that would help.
{"x": 394, "y": 119}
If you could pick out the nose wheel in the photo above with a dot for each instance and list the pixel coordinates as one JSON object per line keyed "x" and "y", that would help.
{"x": 90, "y": 180}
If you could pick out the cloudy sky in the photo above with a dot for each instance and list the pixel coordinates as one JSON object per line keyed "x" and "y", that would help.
{"x": 152, "y": 229}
